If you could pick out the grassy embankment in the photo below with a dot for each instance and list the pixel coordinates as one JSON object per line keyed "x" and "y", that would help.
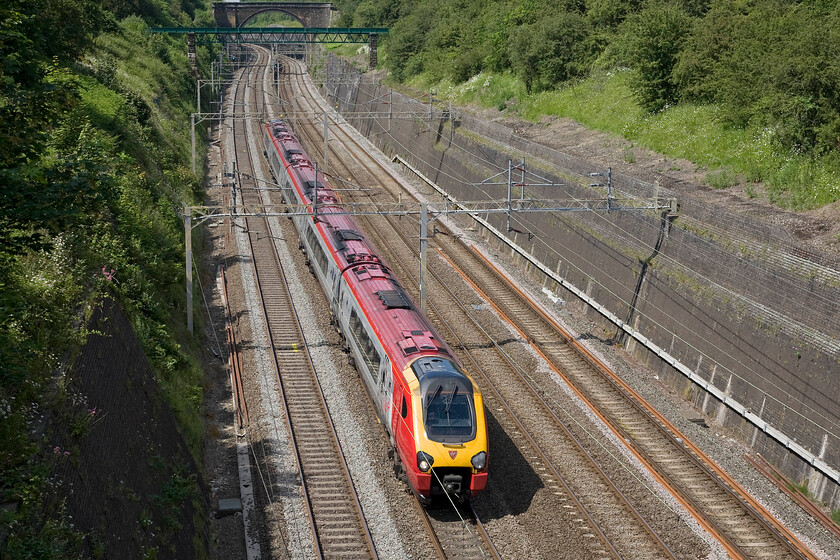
{"x": 689, "y": 131}
{"x": 127, "y": 127}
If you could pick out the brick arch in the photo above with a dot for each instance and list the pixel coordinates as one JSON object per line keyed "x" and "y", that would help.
{"x": 277, "y": 11}
{"x": 309, "y": 14}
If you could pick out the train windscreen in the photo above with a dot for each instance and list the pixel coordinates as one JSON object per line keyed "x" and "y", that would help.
{"x": 448, "y": 408}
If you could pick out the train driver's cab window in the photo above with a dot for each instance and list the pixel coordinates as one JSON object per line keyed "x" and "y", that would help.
{"x": 448, "y": 408}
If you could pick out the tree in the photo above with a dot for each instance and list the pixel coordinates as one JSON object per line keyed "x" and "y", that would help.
{"x": 650, "y": 41}
{"x": 773, "y": 65}
{"x": 550, "y": 51}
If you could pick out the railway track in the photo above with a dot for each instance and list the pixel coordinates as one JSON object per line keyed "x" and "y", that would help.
{"x": 333, "y": 508}
{"x": 457, "y": 533}
{"x": 639, "y": 536}
{"x": 743, "y": 527}
{"x": 728, "y": 512}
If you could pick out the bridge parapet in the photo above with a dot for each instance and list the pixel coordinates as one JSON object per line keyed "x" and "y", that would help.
{"x": 309, "y": 14}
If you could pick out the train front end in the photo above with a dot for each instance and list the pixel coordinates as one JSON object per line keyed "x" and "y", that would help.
{"x": 450, "y": 432}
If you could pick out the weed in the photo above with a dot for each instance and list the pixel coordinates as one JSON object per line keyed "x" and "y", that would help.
{"x": 721, "y": 179}
{"x": 801, "y": 488}
{"x": 145, "y": 519}
{"x": 629, "y": 155}
{"x": 98, "y": 547}
{"x": 835, "y": 516}
{"x": 170, "y": 500}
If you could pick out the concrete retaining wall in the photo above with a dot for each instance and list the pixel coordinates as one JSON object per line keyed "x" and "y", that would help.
{"x": 733, "y": 298}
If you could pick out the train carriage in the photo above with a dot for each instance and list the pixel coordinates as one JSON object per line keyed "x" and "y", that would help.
{"x": 431, "y": 408}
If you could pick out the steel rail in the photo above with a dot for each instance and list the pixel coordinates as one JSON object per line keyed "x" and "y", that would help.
{"x": 643, "y": 523}
{"x": 657, "y": 421}
{"x": 453, "y": 537}
{"x": 562, "y": 425}
{"x": 484, "y": 534}
{"x": 317, "y": 524}
{"x": 447, "y": 535}
{"x": 782, "y": 535}
{"x": 515, "y": 417}
{"x": 234, "y": 360}
{"x": 276, "y": 363}
{"x": 778, "y": 478}
{"x": 430, "y": 530}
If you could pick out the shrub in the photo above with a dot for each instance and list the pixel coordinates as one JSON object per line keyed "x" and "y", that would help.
{"x": 769, "y": 64}
{"x": 650, "y": 42}
{"x": 550, "y": 51}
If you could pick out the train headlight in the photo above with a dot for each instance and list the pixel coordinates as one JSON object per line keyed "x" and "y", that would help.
{"x": 479, "y": 460}
{"x": 424, "y": 461}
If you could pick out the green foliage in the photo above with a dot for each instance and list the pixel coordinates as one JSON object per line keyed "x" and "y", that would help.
{"x": 54, "y": 538}
{"x": 692, "y": 131}
{"x": 166, "y": 13}
{"x": 406, "y": 41}
{"x": 757, "y": 82}
{"x": 802, "y": 488}
{"x": 610, "y": 13}
{"x": 179, "y": 488}
{"x": 721, "y": 179}
{"x": 550, "y": 51}
{"x": 650, "y": 41}
{"x": 267, "y": 19}
{"x": 770, "y": 64}
{"x": 94, "y": 146}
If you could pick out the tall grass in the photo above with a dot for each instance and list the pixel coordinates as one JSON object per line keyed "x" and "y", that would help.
{"x": 689, "y": 131}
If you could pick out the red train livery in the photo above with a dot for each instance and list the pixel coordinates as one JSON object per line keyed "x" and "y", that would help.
{"x": 431, "y": 408}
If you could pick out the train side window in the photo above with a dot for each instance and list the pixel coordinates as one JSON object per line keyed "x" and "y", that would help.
{"x": 404, "y": 409}
{"x": 316, "y": 251}
{"x": 365, "y": 344}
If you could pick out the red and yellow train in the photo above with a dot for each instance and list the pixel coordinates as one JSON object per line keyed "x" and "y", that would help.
{"x": 432, "y": 410}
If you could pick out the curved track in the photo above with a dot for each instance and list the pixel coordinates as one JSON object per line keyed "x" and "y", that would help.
{"x": 336, "y": 517}
{"x": 639, "y": 539}
{"x": 744, "y": 528}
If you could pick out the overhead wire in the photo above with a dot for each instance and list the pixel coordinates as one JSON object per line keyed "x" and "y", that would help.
{"x": 466, "y": 182}
{"x": 454, "y": 175}
{"x": 576, "y": 421}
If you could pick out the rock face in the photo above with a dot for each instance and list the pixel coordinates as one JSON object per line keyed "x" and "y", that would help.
{"x": 730, "y": 288}
{"x": 123, "y": 469}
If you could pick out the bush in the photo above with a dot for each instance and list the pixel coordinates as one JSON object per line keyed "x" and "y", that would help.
{"x": 550, "y": 51}
{"x": 769, "y": 64}
{"x": 650, "y": 41}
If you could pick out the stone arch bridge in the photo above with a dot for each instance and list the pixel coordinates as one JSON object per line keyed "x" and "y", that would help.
{"x": 309, "y": 14}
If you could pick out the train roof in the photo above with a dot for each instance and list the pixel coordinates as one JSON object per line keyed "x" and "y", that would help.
{"x": 404, "y": 331}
